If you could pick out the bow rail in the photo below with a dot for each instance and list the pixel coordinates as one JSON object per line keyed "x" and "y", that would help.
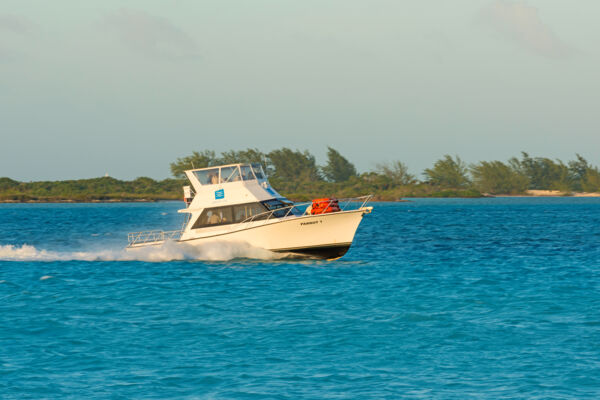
{"x": 300, "y": 209}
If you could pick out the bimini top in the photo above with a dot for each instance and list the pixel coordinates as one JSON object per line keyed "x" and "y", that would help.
{"x": 227, "y": 173}
{"x": 229, "y": 184}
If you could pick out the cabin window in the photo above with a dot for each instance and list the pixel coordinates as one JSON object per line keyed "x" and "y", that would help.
{"x": 258, "y": 171}
{"x": 230, "y": 174}
{"x": 244, "y": 211}
{"x": 230, "y": 214}
{"x": 247, "y": 174}
{"x": 208, "y": 176}
{"x": 213, "y": 217}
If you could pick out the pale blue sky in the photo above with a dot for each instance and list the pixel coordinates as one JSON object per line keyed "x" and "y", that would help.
{"x": 125, "y": 87}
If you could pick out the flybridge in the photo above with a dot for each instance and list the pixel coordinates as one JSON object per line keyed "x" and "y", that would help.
{"x": 228, "y": 185}
{"x": 225, "y": 174}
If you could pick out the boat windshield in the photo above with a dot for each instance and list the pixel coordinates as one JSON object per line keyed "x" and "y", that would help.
{"x": 233, "y": 173}
{"x": 230, "y": 174}
{"x": 258, "y": 171}
{"x": 276, "y": 204}
{"x": 208, "y": 176}
{"x": 247, "y": 174}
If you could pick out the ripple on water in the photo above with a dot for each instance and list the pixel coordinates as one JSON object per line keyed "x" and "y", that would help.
{"x": 447, "y": 299}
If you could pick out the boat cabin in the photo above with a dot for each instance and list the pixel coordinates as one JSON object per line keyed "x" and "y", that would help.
{"x": 230, "y": 194}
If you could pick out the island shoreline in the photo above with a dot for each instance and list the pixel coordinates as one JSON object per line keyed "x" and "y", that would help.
{"x": 402, "y": 200}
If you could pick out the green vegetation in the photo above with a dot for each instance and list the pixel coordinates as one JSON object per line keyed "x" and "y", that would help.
{"x": 448, "y": 172}
{"x": 86, "y": 190}
{"x": 338, "y": 169}
{"x": 397, "y": 173}
{"x": 287, "y": 165}
{"x": 296, "y": 175}
{"x": 495, "y": 177}
{"x": 543, "y": 173}
{"x": 540, "y": 173}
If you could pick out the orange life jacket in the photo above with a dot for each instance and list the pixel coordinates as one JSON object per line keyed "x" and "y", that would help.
{"x": 325, "y": 205}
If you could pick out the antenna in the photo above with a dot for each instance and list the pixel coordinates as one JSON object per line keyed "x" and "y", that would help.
{"x": 192, "y": 165}
{"x": 265, "y": 162}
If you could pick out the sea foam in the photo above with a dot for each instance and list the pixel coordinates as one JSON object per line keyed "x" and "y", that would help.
{"x": 170, "y": 251}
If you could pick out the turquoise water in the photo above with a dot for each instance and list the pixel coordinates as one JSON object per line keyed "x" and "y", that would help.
{"x": 437, "y": 299}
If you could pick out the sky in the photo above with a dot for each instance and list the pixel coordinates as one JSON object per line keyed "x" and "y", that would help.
{"x": 126, "y": 87}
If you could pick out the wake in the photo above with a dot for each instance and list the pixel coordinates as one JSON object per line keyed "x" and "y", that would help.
{"x": 170, "y": 251}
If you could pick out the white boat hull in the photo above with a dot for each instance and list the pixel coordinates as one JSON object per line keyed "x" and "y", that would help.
{"x": 325, "y": 236}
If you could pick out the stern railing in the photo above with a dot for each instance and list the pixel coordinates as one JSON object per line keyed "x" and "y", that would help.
{"x": 136, "y": 238}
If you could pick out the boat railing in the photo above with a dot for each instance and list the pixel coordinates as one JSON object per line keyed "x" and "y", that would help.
{"x": 347, "y": 204}
{"x": 135, "y": 238}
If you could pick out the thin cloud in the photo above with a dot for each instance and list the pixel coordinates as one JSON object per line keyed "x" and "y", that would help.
{"x": 150, "y": 35}
{"x": 15, "y": 37}
{"x": 522, "y": 24}
{"x": 15, "y": 25}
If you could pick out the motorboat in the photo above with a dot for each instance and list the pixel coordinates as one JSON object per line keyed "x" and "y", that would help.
{"x": 235, "y": 203}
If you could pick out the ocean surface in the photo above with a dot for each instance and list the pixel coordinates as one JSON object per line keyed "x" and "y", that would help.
{"x": 437, "y": 299}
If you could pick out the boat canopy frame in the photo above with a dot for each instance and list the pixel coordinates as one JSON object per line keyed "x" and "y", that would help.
{"x": 220, "y": 174}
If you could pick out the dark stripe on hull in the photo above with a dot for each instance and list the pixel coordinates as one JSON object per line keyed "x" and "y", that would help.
{"x": 320, "y": 252}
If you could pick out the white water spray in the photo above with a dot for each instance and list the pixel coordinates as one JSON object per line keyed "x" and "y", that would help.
{"x": 170, "y": 251}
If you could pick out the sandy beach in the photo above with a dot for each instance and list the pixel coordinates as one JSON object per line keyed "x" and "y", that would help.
{"x": 558, "y": 193}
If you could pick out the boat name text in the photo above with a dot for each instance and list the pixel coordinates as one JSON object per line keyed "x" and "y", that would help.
{"x": 310, "y": 223}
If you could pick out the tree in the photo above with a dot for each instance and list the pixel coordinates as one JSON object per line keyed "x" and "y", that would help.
{"x": 448, "y": 172}
{"x": 338, "y": 168}
{"x": 373, "y": 181}
{"x": 397, "y": 173}
{"x": 543, "y": 173}
{"x": 144, "y": 184}
{"x": 579, "y": 170}
{"x": 495, "y": 177}
{"x": 294, "y": 166}
{"x": 202, "y": 159}
{"x": 591, "y": 182}
{"x": 7, "y": 184}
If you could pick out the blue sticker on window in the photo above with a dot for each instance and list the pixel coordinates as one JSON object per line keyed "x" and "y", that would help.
{"x": 219, "y": 194}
